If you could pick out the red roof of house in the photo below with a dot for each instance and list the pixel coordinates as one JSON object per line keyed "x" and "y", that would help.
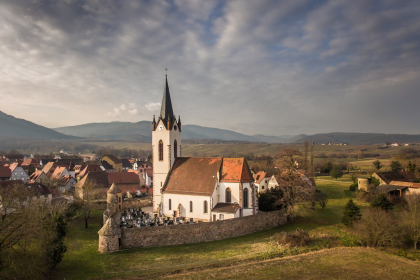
{"x": 30, "y": 161}
{"x": 260, "y": 176}
{"x": 89, "y": 168}
{"x": 408, "y": 175}
{"x": 13, "y": 166}
{"x": 58, "y": 172}
{"x": 123, "y": 178}
{"x": 5, "y": 172}
{"x": 112, "y": 158}
{"x": 34, "y": 176}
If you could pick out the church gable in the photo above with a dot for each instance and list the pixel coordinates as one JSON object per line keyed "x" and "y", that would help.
{"x": 197, "y": 176}
{"x": 236, "y": 170}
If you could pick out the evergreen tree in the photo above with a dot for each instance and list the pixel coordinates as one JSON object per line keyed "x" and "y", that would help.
{"x": 396, "y": 165}
{"x": 336, "y": 172}
{"x": 382, "y": 201}
{"x": 351, "y": 213}
{"x": 377, "y": 164}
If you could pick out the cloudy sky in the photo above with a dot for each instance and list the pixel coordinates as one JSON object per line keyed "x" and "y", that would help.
{"x": 270, "y": 67}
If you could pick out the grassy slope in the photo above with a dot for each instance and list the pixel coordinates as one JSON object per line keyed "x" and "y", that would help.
{"x": 336, "y": 263}
{"x": 82, "y": 261}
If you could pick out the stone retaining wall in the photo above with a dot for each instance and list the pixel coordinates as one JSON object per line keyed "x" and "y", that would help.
{"x": 200, "y": 232}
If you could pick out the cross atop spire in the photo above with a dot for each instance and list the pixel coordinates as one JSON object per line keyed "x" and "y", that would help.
{"x": 166, "y": 69}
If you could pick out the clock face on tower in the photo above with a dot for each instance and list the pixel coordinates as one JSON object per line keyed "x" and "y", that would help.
{"x": 161, "y": 127}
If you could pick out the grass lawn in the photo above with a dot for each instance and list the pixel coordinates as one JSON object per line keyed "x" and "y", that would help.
{"x": 336, "y": 263}
{"x": 83, "y": 261}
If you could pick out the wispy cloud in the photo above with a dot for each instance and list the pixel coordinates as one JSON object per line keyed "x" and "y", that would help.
{"x": 302, "y": 66}
{"x": 152, "y": 106}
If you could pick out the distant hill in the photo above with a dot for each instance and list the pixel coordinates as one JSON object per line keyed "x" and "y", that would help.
{"x": 14, "y": 127}
{"x": 141, "y": 131}
{"x": 359, "y": 138}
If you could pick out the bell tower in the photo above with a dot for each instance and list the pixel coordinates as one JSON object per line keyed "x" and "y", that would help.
{"x": 166, "y": 144}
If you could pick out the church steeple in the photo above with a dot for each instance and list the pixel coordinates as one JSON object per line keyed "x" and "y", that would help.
{"x": 166, "y": 111}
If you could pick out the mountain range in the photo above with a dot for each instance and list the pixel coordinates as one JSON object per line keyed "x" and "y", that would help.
{"x": 11, "y": 127}
{"x": 20, "y": 128}
{"x": 141, "y": 131}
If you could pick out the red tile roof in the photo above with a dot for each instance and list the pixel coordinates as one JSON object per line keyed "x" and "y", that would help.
{"x": 193, "y": 176}
{"x": 113, "y": 158}
{"x": 99, "y": 178}
{"x": 58, "y": 172}
{"x": 89, "y": 168}
{"x": 30, "y": 161}
{"x": 236, "y": 170}
{"x": 13, "y": 166}
{"x": 5, "y": 172}
{"x": 34, "y": 176}
{"x": 260, "y": 176}
{"x": 123, "y": 178}
{"x": 226, "y": 208}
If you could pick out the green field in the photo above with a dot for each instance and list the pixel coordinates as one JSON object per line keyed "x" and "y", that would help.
{"x": 83, "y": 261}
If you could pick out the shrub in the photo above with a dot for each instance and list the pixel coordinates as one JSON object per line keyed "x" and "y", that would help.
{"x": 292, "y": 239}
{"x": 351, "y": 213}
{"x": 353, "y": 187}
{"x": 382, "y": 201}
{"x": 377, "y": 229}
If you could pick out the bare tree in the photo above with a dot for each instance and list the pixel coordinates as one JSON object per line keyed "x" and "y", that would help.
{"x": 89, "y": 193}
{"x": 412, "y": 217}
{"x": 15, "y": 214}
{"x": 291, "y": 190}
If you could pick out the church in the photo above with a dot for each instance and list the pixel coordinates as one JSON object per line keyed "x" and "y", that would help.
{"x": 202, "y": 188}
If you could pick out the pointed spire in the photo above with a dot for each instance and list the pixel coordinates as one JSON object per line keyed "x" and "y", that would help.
{"x": 166, "y": 111}
{"x": 154, "y": 123}
{"x": 114, "y": 189}
{"x": 179, "y": 123}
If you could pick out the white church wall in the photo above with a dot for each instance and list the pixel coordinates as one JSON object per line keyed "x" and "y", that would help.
{"x": 234, "y": 187}
{"x": 162, "y": 167}
{"x": 184, "y": 200}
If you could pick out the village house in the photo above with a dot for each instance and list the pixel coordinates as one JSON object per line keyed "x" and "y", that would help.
{"x": 5, "y": 173}
{"x": 128, "y": 182}
{"x": 113, "y": 161}
{"x": 386, "y": 177}
{"x": 87, "y": 169}
{"x": 126, "y": 164}
{"x": 208, "y": 189}
{"x": 66, "y": 184}
{"x": 107, "y": 167}
{"x": 142, "y": 165}
{"x": 18, "y": 173}
{"x": 262, "y": 179}
{"x": 38, "y": 177}
{"x": 49, "y": 168}
{"x": 95, "y": 182}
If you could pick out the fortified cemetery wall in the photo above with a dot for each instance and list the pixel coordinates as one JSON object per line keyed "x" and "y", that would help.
{"x": 126, "y": 204}
{"x": 189, "y": 233}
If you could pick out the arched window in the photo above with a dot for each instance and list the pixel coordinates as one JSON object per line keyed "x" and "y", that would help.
{"x": 160, "y": 150}
{"x": 221, "y": 217}
{"x": 245, "y": 198}
{"x": 228, "y": 195}
{"x": 205, "y": 207}
{"x": 175, "y": 149}
{"x": 170, "y": 204}
{"x": 191, "y": 206}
